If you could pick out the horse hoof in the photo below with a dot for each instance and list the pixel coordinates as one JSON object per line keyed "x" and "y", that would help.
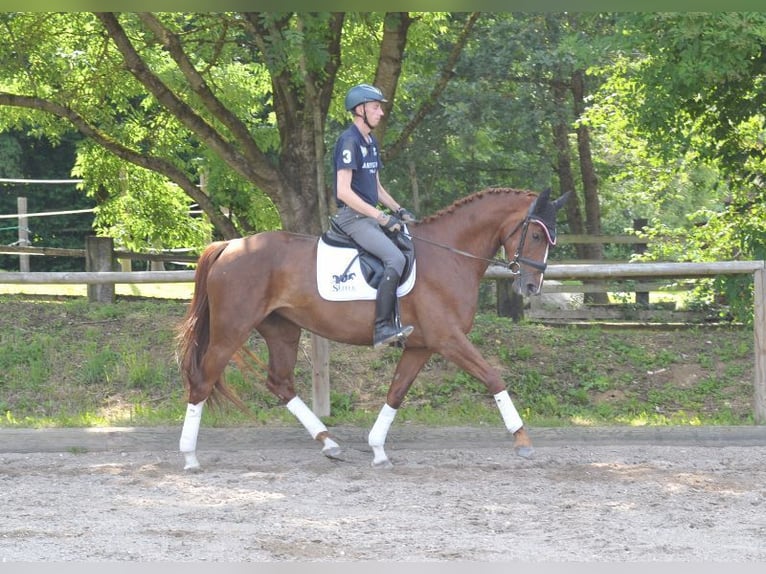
{"x": 334, "y": 452}
{"x": 192, "y": 464}
{"x": 382, "y": 464}
{"x": 525, "y": 451}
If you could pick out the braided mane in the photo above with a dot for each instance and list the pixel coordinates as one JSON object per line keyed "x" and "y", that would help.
{"x": 470, "y": 198}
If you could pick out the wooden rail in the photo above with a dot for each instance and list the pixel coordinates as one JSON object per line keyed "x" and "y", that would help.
{"x": 118, "y": 254}
{"x": 95, "y": 277}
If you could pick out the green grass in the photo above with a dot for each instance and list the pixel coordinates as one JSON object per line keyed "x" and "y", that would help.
{"x": 66, "y": 362}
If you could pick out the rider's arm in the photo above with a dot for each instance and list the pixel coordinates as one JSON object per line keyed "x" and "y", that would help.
{"x": 350, "y": 198}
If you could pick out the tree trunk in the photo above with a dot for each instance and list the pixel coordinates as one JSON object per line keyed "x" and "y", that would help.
{"x": 395, "y": 27}
{"x": 587, "y": 171}
{"x": 593, "y": 251}
{"x": 564, "y": 163}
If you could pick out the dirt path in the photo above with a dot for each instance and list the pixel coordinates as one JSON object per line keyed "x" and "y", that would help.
{"x": 454, "y": 494}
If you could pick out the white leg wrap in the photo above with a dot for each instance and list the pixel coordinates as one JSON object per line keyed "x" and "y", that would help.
{"x": 379, "y": 432}
{"x": 188, "y": 443}
{"x": 510, "y": 415}
{"x": 306, "y": 416}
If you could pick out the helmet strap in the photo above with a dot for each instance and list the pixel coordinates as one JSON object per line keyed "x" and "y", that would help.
{"x": 364, "y": 116}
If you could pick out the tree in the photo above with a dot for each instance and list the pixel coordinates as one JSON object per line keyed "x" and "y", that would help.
{"x": 239, "y": 100}
{"x": 685, "y": 96}
{"x": 692, "y": 85}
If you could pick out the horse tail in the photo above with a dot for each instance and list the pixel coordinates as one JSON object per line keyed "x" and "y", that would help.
{"x": 194, "y": 331}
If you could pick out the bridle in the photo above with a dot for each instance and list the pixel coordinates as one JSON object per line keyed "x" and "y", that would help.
{"x": 514, "y": 265}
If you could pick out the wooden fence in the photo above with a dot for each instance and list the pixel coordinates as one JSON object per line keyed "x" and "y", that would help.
{"x": 321, "y": 384}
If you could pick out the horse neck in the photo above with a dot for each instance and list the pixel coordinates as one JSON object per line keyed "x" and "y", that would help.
{"x": 476, "y": 227}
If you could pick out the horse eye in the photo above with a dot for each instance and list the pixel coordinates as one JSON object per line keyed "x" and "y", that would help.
{"x": 536, "y": 235}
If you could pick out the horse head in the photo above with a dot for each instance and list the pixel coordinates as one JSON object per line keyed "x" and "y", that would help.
{"x": 536, "y": 235}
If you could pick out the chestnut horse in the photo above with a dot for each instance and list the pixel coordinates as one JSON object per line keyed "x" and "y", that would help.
{"x": 267, "y": 282}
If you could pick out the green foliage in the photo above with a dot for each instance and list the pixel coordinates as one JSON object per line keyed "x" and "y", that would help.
{"x": 680, "y": 121}
{"x": 341, "y": 404}
{"x": 138, "y": 208}
{"x": 488, "y": 129}
{"x": 10, "y": 156}
{"x": 98, "y": 364}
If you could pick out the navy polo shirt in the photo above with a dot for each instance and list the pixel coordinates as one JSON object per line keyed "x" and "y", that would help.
{"x": 353, "y": 152}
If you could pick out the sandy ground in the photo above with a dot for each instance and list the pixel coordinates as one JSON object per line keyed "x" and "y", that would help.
{"x": 454, "y": 494}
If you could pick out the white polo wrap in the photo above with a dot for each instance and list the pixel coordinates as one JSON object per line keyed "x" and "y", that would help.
{"x": 379, "y": 432}
{"x": 188, "y": 442}
{"x": 306, "y": 416}
{"x": 510, "y": 415}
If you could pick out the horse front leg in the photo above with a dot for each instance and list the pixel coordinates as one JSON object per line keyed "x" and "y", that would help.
{"x": 522, "y": 443}
{"x": 410, "y": 363}
{"x": 461, "y": 352}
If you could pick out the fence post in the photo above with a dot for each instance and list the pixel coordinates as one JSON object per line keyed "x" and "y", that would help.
{"x": 509, "y": 303}
{"x": 21, "y": 210}
{"x": 639, "y": 224}
{"x": 320, "y": 376}
{"x": 759, "y": 328}
{"x": 99, "y": 256}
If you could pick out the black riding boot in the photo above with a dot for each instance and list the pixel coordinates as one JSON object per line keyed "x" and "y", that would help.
{"x": 387, "y": 328}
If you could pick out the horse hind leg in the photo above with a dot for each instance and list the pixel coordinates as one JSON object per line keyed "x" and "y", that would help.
{"x": 315, "y": 427}
{"x": 189, "y": 433}
{"x": 282, "y": 338}
{"x": 212, "y": 367}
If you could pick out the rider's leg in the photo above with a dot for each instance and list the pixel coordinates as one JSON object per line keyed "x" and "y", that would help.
{"x": 366, "y": 232}
{"x": 386, "y": 328}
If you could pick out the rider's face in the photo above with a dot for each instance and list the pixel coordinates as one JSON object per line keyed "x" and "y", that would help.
{"x": 374, "y": 111}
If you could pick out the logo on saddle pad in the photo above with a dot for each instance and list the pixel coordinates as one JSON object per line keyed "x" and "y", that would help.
{"x": 346, "y": 274}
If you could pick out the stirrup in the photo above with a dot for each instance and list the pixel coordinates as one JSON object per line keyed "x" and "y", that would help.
{"x": 398, "y": 335}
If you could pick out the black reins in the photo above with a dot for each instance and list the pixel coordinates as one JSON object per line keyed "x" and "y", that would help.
{"x": 514, "y": 265}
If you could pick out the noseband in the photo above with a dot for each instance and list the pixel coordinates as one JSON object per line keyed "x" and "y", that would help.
{"x": 514, "y": 265}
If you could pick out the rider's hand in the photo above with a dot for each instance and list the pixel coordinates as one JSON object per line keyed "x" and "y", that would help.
{"x": 392, "y": 224}
{"x": 405, "y": 215}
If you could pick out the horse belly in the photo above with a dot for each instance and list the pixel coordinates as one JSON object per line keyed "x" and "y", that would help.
{"x": 344, "y": 322}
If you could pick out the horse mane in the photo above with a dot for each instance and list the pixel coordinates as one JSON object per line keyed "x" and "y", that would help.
{"x": 471, "y": 198}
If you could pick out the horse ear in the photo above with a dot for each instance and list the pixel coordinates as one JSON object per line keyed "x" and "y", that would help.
{"x": 540, "y": 202}
{"x": 559, "y": 203}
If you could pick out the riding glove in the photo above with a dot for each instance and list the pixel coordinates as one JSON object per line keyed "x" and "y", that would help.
{"x": 392, "y": 224}
{"x": 405, "y": 215}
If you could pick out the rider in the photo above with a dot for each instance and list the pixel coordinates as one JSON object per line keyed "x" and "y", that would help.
{"x": 358, "y": 192}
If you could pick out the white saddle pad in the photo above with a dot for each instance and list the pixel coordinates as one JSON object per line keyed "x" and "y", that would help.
{"x": 333, "y": 261}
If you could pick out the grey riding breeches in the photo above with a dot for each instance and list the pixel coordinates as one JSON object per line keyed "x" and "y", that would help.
{"x": 370, "y": 237}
